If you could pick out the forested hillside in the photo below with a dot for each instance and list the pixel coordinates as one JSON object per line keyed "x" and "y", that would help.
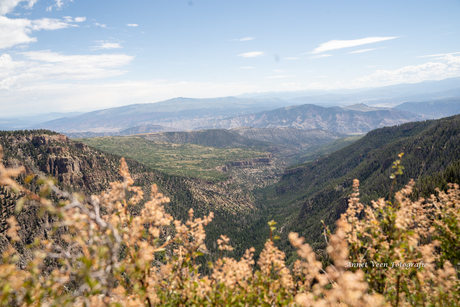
{"x": 77, "y": 167}
{"x": 318, "y": 190}
{"x": 306, "y": 194}
{"x": 219, "y": 138}
{"x": 301, "y": 139}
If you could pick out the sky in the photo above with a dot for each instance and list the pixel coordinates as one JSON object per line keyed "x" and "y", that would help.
{"x": 81, "y": 55}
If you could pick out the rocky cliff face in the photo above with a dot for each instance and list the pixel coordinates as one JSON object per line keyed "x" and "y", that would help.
{"x": 80, "y": 168}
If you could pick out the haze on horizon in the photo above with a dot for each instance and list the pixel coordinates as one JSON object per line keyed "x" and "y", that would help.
{"x": 77, "y": 55}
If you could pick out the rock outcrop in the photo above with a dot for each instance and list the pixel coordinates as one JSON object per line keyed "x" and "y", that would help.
{"x": 80, "y": 168}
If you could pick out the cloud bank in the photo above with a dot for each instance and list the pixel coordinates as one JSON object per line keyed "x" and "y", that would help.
{"x": 449, "y": 67}
{"x": 339, "y": 44}
{"x": 17, "y": 31}
{"x": 362, "y": 50}
{"x": 7, "y": 6}
{"x": 252, "y": 54}
{"x": 52, "y": 66}
{"x": 106, "y": 45}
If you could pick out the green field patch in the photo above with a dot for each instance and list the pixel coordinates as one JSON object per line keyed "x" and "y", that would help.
{"x": 180, "y": 159}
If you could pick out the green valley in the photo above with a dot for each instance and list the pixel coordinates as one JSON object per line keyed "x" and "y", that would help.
{"x": 181, "y": 159}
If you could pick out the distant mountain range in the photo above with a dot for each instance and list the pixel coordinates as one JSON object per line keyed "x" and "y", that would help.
{"x": 343, "y": 111}
{"x": 388, "y": 96}
{"x": 353, "y": 119}
{"x": 25, "y": 122}
{"x": 433, "y": 109}
{"x": 177, "y": 114}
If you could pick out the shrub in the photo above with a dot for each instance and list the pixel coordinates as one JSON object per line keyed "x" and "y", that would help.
{"x": 99, "y": 253}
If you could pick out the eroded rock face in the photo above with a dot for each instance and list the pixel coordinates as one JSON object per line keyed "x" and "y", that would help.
{"x": 82, "y": 146}
{"x": 78, "y": 167}
{"x": 82, "y": 169}
{"x": 45, "y": 139}
{"x": 58, "y": 165}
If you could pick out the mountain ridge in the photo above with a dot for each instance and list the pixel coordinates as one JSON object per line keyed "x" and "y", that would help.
{"x": 336, "y": 119}
{"x": 308, "y": 116}
{"x": 433, "y": 108}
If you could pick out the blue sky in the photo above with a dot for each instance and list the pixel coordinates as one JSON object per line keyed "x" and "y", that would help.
{"x": 80, "y": 55}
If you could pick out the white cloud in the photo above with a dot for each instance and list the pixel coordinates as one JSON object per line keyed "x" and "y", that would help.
{"x": 102, "y": 25}
{"x": 46, "y": 65}
{"x": 278, "y": 77}
{"x": 362, "y": 50}
{"x": 7, "y": 6}
{"x": 103, "y": 60}
{"x": 132, "y": 24}
{"x": 339, "y": 44}
{"x": 31, "y": 4}
{"x": 106, "y": 45}
{"x": 246, "y": 67}
{"x": 292, "y": 58}
{"x": 59, "y": 4}
{"x": 17, "y": 31}
{"x": 49, "y": 24}
{"x": 14, "y": 32}
{"x": 76, "y": 19}
{"x": 437, "y": 55}
{"x": 320, "y": 56}
{"x": 252, "y": 54}
{"x": 52, "y": 97}
{"x": 244, "y": 39}
{"x": 449, "y": 67}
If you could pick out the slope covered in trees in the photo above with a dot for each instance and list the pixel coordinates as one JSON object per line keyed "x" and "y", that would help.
{"x": 318, "y": 190}
{"x": 77, "y": 167}
{"x": 394, "y": 253}
{"x": 307, "y": 193}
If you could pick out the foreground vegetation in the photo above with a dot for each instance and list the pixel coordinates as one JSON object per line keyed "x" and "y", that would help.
{"x": 98, "y": 252}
